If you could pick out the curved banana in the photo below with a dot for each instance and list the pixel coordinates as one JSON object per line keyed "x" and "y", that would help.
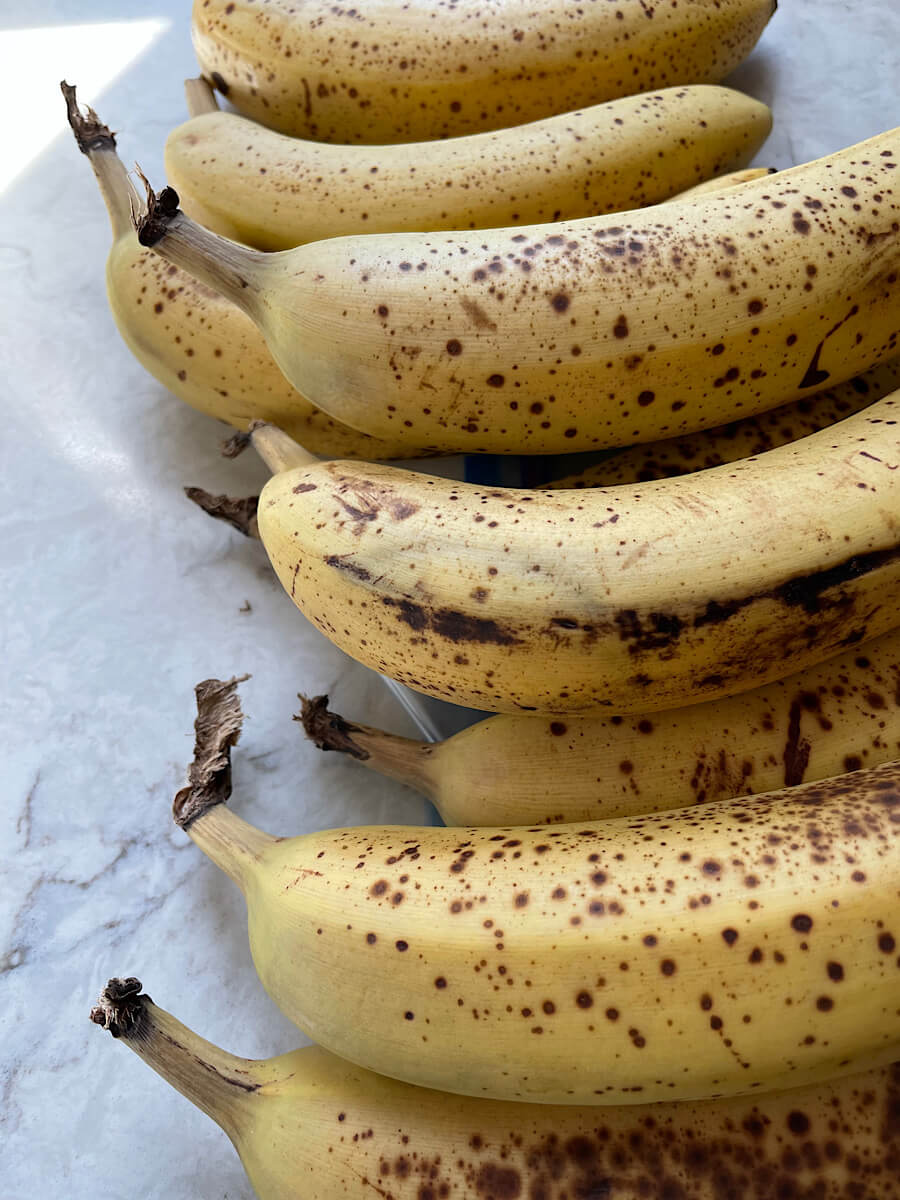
{"x": 633, "y": 599}
{"x": 576, "y": 335}
{"x": 511, "y": 770}
{"x": 392, "y": 71}
{"x": 739, "y": 439}
{"x": 275, "y": 192}
{"x": 195, "y": 342}
{"x": 719, "y": 950}
{"x": 309, "y": 1125}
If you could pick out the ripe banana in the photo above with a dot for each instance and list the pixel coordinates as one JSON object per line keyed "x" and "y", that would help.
{"x": 576, "y": 335}
{"x": 526, "y": 770}
{"x": 195, "y": 342}
{"x": 739, "y": 439}
{"x": 719, "y": 950}
{"x": 309, "y": 1125}
{"x": 274, "y": 192}
{"x": 398, "y": 72}
{"x": 633, "y": 599}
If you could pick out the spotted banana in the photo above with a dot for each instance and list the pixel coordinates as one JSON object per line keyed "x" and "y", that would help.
{"x": 275, "y": 192}
{"x": 392, "y": 71}
{"x": 527, "y": 770}
{"x": 633, "y": 599}
{"x": 309, "y": 1125}
{"x": 578, "y": 335}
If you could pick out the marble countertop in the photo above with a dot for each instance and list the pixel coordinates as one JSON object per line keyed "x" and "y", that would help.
{"x": 118, "y": 597}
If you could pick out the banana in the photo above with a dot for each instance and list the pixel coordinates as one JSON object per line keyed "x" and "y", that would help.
{"x": 526, "y": 770}
{"x": 633, "y": 599}
{"x": 195, "y": 342}
{"x": 275, "y": 192}
{"x": 398, "y": 72}
{"x": 720, "y": 950}
{"x": 577, "y": 335}
{"x": 309, "y": 1125}
{"x": 738, "y": 439}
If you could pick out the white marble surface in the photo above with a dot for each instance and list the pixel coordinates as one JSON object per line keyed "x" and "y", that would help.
{"x": 118, "y": 597}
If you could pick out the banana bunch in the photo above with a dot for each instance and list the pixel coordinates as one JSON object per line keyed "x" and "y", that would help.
{"x": 577, "y": 335}
{"x": 308, "y": 1125}
{"x": 391, "y": 71}
{"x": 721, "y": 852}
{"x": 275, "y": 192}
{"x": 527, "y": 770}
{"x": 604, "y": 963}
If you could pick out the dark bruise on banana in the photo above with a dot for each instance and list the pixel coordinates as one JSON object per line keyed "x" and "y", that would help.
{"x": 637, "y": 598}
{"x": 332, "y": 71}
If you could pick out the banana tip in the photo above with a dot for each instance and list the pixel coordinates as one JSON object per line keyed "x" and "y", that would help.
{"x": 327, "y": 730}
{"x": 216, "y": 729}
{"x": 119, "y": 1006}
{"x": 90, "y": 132}
{"x": 161, "y": 209}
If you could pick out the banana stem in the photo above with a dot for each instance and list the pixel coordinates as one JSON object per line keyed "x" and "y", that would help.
{"x": 200, "y": 97}
{"x": 199, "y": 807}
{"x": 217, "y": 1082}
{"x": 277, "y": 450}
{"x": 98, "y": 142}
{"x": 239, "y": 513}
{"x": 227, "y": 267}
{"x": 232, "y": 843}
{"x": 400, "y": 758}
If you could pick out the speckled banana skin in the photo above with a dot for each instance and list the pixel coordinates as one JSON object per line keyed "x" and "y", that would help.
{"x": 632, "y": 599}
{"x": 309, "y": 1126}
{"x": 719, "y": 950}
{"x": 579, "y": 335}
{"x": 274, "y": 192}
{"x": 511, "y": 770}
{"x": 195, "y": 342}
{"x": 738, "y": 439}
{"x": 391, "y": 71}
